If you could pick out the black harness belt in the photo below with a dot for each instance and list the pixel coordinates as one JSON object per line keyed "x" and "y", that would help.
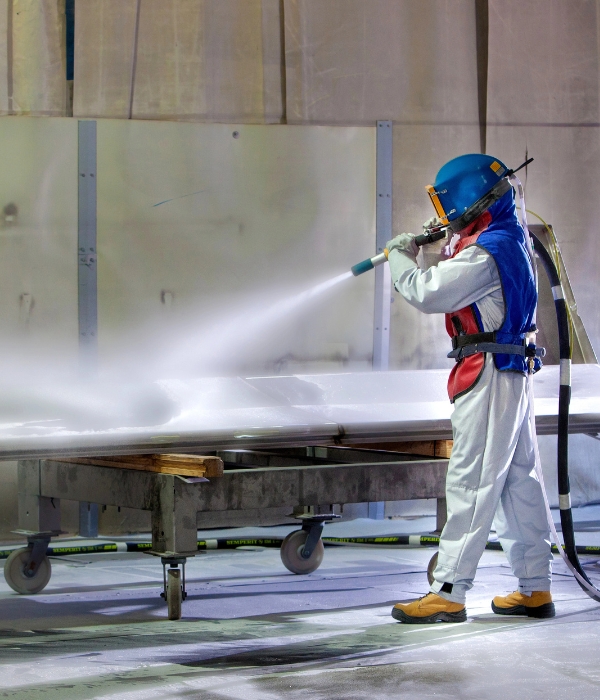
{"x": 465, "y": 345}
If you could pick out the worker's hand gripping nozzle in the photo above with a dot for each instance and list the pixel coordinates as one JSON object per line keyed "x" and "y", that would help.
{"x": 431, "y": 235}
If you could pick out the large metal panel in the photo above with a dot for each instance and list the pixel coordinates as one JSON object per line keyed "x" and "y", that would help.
{"x": 38, "y": 241}
{"x": 234, "y": 413}
{"x": 203, "y": 228}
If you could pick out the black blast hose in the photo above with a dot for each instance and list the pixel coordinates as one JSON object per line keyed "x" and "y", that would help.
{"x": 564, "y": 399}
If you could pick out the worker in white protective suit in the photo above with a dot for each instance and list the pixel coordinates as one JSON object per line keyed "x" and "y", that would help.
{"x": 486, "y": 289}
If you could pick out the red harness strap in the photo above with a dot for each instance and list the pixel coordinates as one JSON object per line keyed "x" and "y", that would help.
{"x": 466, "y": 372}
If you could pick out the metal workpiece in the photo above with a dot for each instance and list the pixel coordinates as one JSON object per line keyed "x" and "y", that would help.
{"x": 227, "y": 413}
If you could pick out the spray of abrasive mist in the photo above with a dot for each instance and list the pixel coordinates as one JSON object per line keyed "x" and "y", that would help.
{"x": 216, "y": 345}
{"x": 51, "y": 400}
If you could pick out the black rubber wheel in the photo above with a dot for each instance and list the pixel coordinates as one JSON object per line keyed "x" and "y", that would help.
{"x": 14, "y": 573}
{"x": 174, "y": 594}
{"x": 291, "y": 553}
{"x": 430, "y": 568}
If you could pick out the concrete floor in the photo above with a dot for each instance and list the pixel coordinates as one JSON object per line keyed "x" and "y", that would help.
{"x": 252, "y": 630}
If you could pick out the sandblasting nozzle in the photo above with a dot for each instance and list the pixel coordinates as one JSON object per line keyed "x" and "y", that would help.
{"x": 369, "y": 263}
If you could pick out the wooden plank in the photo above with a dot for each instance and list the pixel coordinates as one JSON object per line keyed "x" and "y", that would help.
{"x": 443, "y": 448}
{"x": 179, "y": 464}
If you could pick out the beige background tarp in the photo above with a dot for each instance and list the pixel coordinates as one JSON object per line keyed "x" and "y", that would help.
{"x": 543, "y": 100}
{"x": 33, "y": 58}
{"x": 352, "y": 62}
{"x": 198, "y": 60}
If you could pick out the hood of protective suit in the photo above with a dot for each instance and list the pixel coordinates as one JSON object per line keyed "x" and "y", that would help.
{"x": 504, "y": 217}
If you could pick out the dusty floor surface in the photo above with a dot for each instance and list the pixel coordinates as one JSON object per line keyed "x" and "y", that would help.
{"x": 252, "y": 630}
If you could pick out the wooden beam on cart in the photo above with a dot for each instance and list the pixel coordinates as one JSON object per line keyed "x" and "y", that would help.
{"x": 427, "y": 448}
{"x": 177, "y": 464}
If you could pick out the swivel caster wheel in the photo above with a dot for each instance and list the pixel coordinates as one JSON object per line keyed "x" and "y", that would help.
{"x": 174, "y": 594}
{"x": 291, "y": 553}
{"x": 431, "y": 567}
{"x": 18, "y": 574}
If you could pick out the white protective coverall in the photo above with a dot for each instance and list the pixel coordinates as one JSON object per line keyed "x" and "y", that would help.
{"x": 491, "y": 471}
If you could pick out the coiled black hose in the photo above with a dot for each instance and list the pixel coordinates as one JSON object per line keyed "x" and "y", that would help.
{"x": 564, "y": 399}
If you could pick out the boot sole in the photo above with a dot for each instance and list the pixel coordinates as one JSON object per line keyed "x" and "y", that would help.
{"x": 401, "y": 616}
{"x": 540, "y": 611}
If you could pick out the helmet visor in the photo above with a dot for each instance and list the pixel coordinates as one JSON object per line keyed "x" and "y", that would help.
{"x": 437, "y": 205}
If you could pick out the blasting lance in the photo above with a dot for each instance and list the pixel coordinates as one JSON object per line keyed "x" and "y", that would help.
{"x": 431, "y": 235}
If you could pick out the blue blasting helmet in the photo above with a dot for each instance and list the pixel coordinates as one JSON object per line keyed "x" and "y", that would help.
{"x": 466, "y": 186}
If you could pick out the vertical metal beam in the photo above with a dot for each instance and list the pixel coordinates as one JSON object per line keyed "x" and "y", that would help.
{"x": 88, "y": 519}
{"x": 86, "y": 247}
{"x": 376, "y": 510}
{"x": 482, "y": 32}
{"x": 383, "y": 280}
{"x": 87, "y": 281}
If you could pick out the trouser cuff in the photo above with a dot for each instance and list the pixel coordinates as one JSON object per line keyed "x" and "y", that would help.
{"x": 528, "y": 585}
{"x": 455, "y": 593}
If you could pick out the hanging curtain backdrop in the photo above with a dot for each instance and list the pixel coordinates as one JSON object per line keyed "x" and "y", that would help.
{"x": 354, "y": 62}
{"x": 198, "y": 60}
{"x": 513, "y": 76}
{"x": 33, "y": 58}
{"x": 543, "y": 100}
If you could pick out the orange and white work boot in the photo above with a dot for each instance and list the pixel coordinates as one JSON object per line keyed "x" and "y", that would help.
{"x": 430, "y": 608}
{"x": 538, "y": 604}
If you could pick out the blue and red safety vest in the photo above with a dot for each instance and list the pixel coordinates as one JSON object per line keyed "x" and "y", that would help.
{"x": 498, "y": 232}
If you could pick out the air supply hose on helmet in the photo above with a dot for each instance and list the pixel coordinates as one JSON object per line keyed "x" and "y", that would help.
{"x": 569, "y": 553}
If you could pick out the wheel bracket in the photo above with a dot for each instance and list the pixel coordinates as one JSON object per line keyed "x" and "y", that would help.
{"x": 38, "y": 546}
{"x": 173, "y": 563}
{"x": 313, "y": 524}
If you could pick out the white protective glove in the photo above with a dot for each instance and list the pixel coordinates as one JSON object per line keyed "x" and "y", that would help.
{"x": 434, "y": 221}
{"x": 433, "y": 253}
{"x": 404, "y": 243}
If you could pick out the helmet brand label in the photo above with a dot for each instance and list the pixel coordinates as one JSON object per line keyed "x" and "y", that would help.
{"x": 497, "y": 168}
